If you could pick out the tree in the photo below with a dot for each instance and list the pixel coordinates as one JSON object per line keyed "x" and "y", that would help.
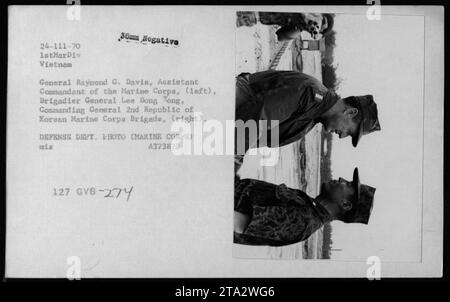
{"x": 329, "y": 77}
{"x": 330, "y": 44}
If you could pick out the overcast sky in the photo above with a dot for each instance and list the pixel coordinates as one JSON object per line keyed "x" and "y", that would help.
{"x": 384, "y": 58}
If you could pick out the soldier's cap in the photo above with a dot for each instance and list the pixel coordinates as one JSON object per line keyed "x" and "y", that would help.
{"x": 362, "y": 202}
{"x": 369, "y": 116}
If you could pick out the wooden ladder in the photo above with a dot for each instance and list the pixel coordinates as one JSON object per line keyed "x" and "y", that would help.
{"x": 279, "y": 54}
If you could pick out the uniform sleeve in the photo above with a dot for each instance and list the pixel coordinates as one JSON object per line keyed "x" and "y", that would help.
{"x": 298, "y": 124}
{"x": 284, "y": 93}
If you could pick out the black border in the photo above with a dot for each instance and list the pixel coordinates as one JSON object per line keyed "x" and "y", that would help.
{"x": 167, "y": 286}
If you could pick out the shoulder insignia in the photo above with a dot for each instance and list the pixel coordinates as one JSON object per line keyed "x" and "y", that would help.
{"x": 318, "y": 97}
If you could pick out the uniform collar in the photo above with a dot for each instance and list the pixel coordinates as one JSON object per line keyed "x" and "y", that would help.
{"x": 327, "y": 101}
{"x": 323, "y": 214}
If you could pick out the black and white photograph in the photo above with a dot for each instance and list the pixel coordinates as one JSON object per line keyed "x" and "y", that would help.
{"x": 348, "y": 95}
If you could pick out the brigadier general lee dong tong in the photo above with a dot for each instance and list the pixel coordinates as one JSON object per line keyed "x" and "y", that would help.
{"x": 275, "y": 215}
{"x": 297, "y": 102}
